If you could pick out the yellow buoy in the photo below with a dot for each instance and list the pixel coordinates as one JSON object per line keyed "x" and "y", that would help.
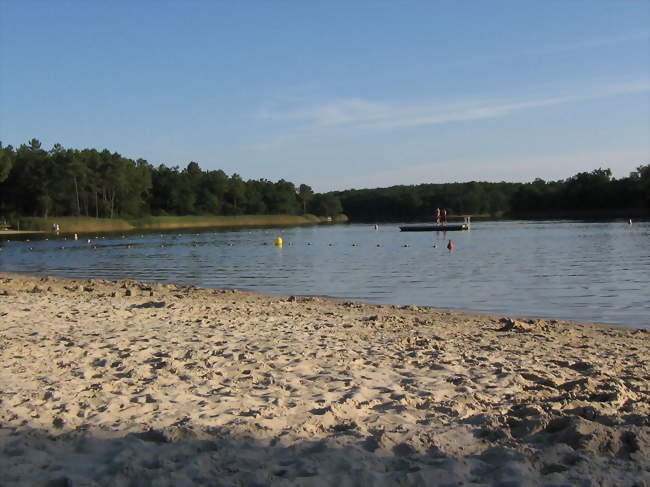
{"x": 278, "y": 241}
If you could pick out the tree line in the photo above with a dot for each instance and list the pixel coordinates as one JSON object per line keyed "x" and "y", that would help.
{"x": 104, "y": 184}
{"x": 594, "y": 193}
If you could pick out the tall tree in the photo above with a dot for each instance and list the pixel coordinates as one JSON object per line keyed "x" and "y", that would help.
{"x": 237, "y": 193}
{"x": 6, "y": 163}
{"x": 305, "y": 193}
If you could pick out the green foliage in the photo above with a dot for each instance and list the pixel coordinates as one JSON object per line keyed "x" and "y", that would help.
{"x": 590, "y": 193}
{"x": 593, "y": 193}
{"x": 325, "y": 205}
{"x": 6, "y": 162}
{"x": 305, "y": 193}
{"x": 103, "y": 184}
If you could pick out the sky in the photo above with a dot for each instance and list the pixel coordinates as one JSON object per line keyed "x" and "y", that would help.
{"x": 336, "y": 94}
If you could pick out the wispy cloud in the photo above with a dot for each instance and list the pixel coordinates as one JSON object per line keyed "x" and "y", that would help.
{"x": 588, "y": 44}
{"x": 335, "y": 112}
{"x": 551, "y": 49}
{"x": 360, "y": 113}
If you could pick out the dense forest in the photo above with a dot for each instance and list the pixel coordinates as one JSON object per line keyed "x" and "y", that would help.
{"x": 103, "y": 184}
{"x": 591, "y": 194}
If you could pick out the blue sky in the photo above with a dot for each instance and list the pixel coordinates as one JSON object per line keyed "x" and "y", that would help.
{"x": 336, "y": 94}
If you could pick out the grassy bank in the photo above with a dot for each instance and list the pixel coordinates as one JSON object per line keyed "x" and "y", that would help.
{"x": 69, "y": 224}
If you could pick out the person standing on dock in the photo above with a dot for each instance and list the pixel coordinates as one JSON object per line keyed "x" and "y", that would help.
{"x": 444, "y": 216}
{"x": 437, "y": 216}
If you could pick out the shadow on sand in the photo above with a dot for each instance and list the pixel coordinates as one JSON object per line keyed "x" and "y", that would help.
{"x": 181, "y": 456}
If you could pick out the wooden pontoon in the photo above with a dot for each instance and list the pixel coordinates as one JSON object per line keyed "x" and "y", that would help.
{"x": 466, "y": 225}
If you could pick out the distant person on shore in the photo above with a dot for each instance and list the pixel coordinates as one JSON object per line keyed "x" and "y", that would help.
{"x": 444, "y": 216}
{"x": 437, "y": 216}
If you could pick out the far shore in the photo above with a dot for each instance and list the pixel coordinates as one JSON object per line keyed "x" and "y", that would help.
{"x": 88, "y": 224}
{"x": 20, "y": 232}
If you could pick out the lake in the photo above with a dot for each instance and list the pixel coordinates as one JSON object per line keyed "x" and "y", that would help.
{"x": 589, "y": 271}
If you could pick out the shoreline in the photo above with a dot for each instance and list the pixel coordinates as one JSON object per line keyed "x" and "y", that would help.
{"x": 20, "y": 232}
{"x": 109, "y": 383}
{"x": 87, "y": 224}
{"x": 486, "y": 314}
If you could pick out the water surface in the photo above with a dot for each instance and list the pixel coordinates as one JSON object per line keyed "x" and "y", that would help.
{"x": 589, "y": 271}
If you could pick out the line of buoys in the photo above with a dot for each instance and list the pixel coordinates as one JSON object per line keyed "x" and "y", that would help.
{"x": 278, "y": 242}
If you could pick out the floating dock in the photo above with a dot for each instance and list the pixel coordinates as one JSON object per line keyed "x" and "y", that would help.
{"x": 466, "y": 225}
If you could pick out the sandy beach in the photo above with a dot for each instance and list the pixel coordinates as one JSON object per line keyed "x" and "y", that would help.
{"x": 132, "y": 384}
{"x": 11, "y": 233}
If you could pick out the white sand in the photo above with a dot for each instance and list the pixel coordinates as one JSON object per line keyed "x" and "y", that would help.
{"x": 127, "y": 384}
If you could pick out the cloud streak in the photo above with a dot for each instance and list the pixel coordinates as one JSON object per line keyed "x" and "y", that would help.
{"x": 369, "y": 114}
{"x": 588, "y": 44}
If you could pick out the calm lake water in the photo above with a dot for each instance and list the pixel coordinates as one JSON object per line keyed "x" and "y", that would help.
{"x": 557, "y": 269}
